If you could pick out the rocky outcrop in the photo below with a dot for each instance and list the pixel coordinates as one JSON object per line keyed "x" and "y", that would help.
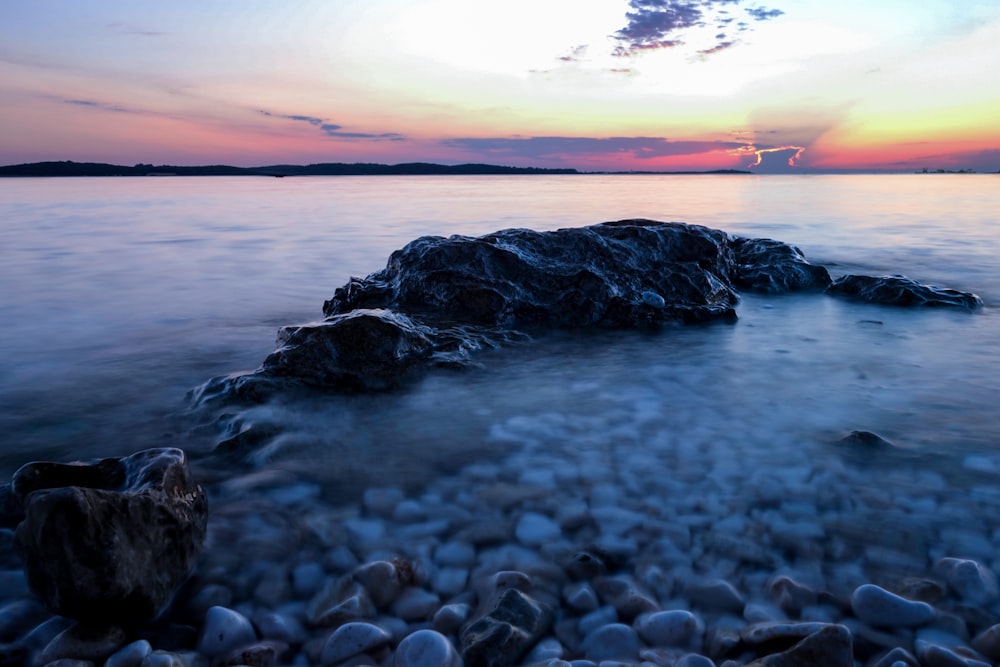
{"x": 440, "y": 300}
{"x": 108, "y": 540}
{"x": 901, "y": 291}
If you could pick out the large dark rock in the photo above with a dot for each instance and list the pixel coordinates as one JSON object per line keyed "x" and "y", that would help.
{"x": 439, "y": 300}
{"x": 901, "y": 291}
{"x": 109, "y": 540}
{"x": 504, "y": 635}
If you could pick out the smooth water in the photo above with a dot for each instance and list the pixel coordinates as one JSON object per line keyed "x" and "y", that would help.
{"x": 120, "y": 295}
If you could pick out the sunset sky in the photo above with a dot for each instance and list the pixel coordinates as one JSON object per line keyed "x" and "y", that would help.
{"x": 784, "y": 85}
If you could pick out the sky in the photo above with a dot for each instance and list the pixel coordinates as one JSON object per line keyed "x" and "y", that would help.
{"x": 777, "y": 86}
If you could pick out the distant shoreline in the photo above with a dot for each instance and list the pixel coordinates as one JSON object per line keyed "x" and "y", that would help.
{"x": 68, "y": 168}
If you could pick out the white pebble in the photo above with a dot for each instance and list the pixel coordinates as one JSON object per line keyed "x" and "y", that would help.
{"x": 876, "y": 606}
{"x": 225, "y": 630}
{"x": 351, "y": 639}
{"x": 677, "y": 627}
{"x": 426, "y": 648}
{"x": 615, "y": 641}
{"x": 534, "y": 529}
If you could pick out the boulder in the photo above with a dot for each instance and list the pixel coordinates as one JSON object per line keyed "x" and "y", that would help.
{"x": 901, "y": 291}
{"x": 109, "y": 540}
{"x": 440, "y": 300}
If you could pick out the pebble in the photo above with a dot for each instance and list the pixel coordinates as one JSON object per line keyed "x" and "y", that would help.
{"x": 876, "y": 606}
{"x": 416, "y": 604}
{"x": 449, "y": 618}
{"x": 351, "y": 639}
{"x": 676, "y": 627}
{"x": 614, "y": 641}
{"x": 426, "y": 648}
{"x": 84, "y": 642}
{"x": 130, "y": 655}
{"x": 534, "y": 529}
{"x": 224, "y": 631}
{"x": 971, "y": 581}
{"x": 716, "y": 595}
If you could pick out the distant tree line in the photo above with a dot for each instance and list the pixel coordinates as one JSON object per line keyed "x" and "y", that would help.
{"x": 70, "y": 168}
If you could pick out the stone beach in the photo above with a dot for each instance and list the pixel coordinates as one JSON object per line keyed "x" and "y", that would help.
{"x": 653, "y": 532}
{"x": 684, "y": 551}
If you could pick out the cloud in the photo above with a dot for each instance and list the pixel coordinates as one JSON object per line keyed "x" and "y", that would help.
{"x": 332, "y": 129}
{"x": 576, "y": 54}
{"x": 94, "y": 104}
{"x": 553, "y": 147}
{"x": 658, "y": 24}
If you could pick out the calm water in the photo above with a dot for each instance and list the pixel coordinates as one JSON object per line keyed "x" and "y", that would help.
{"x": 120, "y": 295}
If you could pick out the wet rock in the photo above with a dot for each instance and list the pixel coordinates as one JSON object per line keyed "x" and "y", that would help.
{"x": 351, "y": 639}
{"x": 901, "y": 291}
{"x": 258, "y": 654}
{"x": 716, "y": 595}
{"x": 225, "y": 630}
{"x": 876, "y": 606}
{"x": 130, "y": 655}
{"x": 84, "y": 642}
{"x": 972, "y": 581}
{"x": 830, "y": 646}
{"x": 501, "y": 637}
{"x": 677, "y": 627}
{"x": 110, "y": 539}
{"x": 765, "y": 265}
{"x": 427, "y": 648}
{"x": 615, "y": 641}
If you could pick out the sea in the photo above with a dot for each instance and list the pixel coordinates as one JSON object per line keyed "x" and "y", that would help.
{"x": 121, "y": 296}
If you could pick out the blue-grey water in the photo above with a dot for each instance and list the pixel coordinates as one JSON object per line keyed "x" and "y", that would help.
{"x": 117, "y": 296}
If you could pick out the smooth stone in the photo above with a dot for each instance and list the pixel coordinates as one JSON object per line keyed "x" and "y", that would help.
{"x": 382, "y": 501}
{"x": 70, "y": 662}
{"x": 307, "y": 579}
{"x": 547, "y": 649}
{"x": 971, "y": 581}
{"x": 897, "y": 657}
{"x": 416, "y": 604}
{"x": 450, "y": 581}
{"x": 163, "y": 659}
{"x": 276, "y": 625}
{"x": 987, "y": 642}
{"x": 694, "y": 660}
{"x": 259, "y": 654}
{"x": 449, "y": 618}
{"x": 19, "y": 616}
{"x": 130, "y": 655}
{"x": 383, "y": 580}
{"x": 357, "y": 606}
{"x": 717, "y": 595}
{"x": 455, "y": 554}
{"x": 597, "y": 618}
{"x": 677, "y": 627}
{"x": 761, "y": 633}
{"x": 932, "y": 655}
{"x": 512, "y": 579}
{"x": 85, "y": 642}
{"x": 534, "y": 529}
{"x": 831, "y": 646}
{"x": 581, "y": 597}
{"x": 426, "y": 648}
{"x": 39, "y": 637}
{"x": 224, "y": 631}
{"x": 351, "y": 639}
{"x": 615, "y": 641}
{"x": 876, "y": 606}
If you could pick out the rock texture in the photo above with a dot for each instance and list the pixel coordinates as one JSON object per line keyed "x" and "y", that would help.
{"x": 109, "y": 540}
{"x": 439, "y": 300}
{"x": 901, "y": 291}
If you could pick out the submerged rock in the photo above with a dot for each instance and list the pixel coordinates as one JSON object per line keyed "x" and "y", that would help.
{"x": 901, "y": 291}
{"x": 109, "y": 540}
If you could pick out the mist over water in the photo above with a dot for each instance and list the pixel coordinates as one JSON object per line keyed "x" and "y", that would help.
{"x": 120, "y": 295}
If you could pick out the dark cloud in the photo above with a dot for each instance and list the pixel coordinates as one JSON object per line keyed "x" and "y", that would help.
{"x": 657, "y": 24}
{"x": 94, "y": 104}
{"x": 551, "y": 147}
{"x": 762, "y": 14}
{"x": 332, "y": 129}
